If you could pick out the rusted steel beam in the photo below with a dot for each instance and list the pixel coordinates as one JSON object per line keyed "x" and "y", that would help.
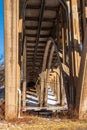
{"x": 29, "y": 41}
{"x": 36, "y": 27}
{"x": 39, "y": 47}
{"x": 39, "y": 51}
{"x": 39, "y": 56}
{"x": 35, "y": 35}
{"x": 52, "y": 8}
{"x": 29, "y": 45}
{"x": 31, "y": 54}
{"x": 30, "y": 60}
{"x": 27, "y": 18}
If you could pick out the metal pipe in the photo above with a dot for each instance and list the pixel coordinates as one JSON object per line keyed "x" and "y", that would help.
{"x": 19, "y": 102}
{"x": 39, "y": 28}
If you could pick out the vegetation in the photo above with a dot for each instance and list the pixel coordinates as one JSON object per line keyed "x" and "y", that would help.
{"x": 37, "y": 123}
{"x": 2, "y": 75}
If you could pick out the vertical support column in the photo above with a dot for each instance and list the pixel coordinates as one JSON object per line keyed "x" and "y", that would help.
{"x": 62, "y": 90}
{"x": 57, "y": 88}
{"x": 42, "y": 89}
{"x": 11, "y": 60}
{"x": 52, "y": 84}
{"x": 74, "y": 57}
{"x": 37, "y": 86}
{"x": 85, "y": 14}
{"x": 81, "y": 97}
{"x": 24, "y": 94}
{"x": 58, "y": 82}
{"x": 63, "y": 57}
{"x": 62, "y": 84}
{"x": 55, "y": 84}
{"x": 76, "y": 34}
{"x": 53, "y": 87}
{"x": 48, "y": 73}
{"x": 24, "y": 74}
{"x": 46, "y": 87}
{"x": 18, "y": 57}
{"x": 63, "y": 44}
{"x": 83, "y": 20}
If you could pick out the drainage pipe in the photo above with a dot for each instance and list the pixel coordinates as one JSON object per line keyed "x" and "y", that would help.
{"x": 19, "y": 102}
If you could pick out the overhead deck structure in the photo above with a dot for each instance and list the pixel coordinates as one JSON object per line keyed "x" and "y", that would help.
{"x": 43, "y": 37}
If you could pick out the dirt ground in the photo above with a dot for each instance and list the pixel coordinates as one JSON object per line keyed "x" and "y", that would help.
{"x": 33, "y": 122}
{"x": 37, "y": 123}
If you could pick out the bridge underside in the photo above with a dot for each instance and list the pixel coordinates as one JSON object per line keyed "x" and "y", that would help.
{"x": 46, "y": 45}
